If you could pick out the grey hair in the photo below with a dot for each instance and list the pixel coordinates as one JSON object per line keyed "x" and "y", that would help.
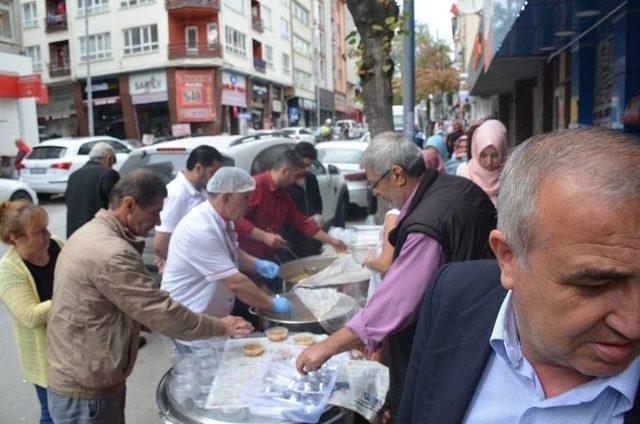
{"x": 389, "y": 149}
{"x": 608, "y": 160}
{"x": 101, "y": 150}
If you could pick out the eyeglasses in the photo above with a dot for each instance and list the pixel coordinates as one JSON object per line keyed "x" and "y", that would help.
{"x": 374, "y": 185}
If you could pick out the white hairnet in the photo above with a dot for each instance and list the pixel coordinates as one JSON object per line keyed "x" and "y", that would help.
{"x": 229, "y": 179}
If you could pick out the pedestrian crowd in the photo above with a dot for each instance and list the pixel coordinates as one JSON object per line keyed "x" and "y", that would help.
{"x": 504, "y": 287}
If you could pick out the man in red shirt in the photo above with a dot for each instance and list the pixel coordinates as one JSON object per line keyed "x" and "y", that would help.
{"x": 270, "y": 206}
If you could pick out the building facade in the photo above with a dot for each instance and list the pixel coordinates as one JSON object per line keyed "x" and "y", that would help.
{"x": 556, "y": 64}
{"x": 179, "y": 67}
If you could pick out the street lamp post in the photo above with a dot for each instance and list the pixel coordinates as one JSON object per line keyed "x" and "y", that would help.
{"x": 408, "y": 70}
{"x": 89, "y": 85}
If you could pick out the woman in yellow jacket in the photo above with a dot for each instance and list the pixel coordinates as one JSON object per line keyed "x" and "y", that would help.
{"x": 26, "y": 286}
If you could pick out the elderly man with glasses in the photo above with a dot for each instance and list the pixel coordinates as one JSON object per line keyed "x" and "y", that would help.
{"x": 443, "y": 218}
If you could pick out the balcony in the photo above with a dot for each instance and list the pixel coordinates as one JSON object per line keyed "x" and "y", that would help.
{"x": 203, "y": 50}
{"x": 192, "y": 4}
{"x": 260, "y": 65}
{"x": 55, "y": 23}
{"x": 257, "y": 24}
{"x": 59, "y": 69}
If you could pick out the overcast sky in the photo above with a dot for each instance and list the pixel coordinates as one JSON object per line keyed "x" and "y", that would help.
{"x": 436, "y": 14}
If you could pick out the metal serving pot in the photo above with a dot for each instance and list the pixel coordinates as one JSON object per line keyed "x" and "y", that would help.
{"x": 301, "y": 319}
{"x": 289, "y": 270}
{"x": 174, "y": 412}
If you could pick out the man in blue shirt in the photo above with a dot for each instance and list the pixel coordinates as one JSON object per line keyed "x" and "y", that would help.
{"x": 551, "y": 332}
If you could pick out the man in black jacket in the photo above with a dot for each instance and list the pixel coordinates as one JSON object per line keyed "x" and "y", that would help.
{"x": 89, "y": 187}
{"x": 443, "y": 218}
{"x": 551, "y": 332}
{"x": 306, "y": 196}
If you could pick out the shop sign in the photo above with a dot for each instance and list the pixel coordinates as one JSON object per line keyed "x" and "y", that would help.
{"x": 195, "y": 96}
{"x": 277, "y": 106}
{"x": 29, "y": 86}
{"x": 234, "y": 89}
{"x": 149, "y": 87}
{"x": 106, "y": 88}
{"x": 244, "y": 115}
{"x": 43, "y": 98}
{"x": 308, "y": 104}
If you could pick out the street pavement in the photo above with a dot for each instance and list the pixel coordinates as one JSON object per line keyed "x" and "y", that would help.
{"x": 18, "y": 401}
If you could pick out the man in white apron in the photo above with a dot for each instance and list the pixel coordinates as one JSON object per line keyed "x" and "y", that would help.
{"x": 204, "y": 264}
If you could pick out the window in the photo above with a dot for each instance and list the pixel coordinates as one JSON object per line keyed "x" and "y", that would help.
{"x": 141, "y": 39}
{"x": 323, "y": 70}
{"x": 268, "y": 157}
{"x": 268, "y": 57}
{"x": 237, "y": 5}
{"x": 191, "y": 37}
{"x": 286, "y": 64}
{"x": 284, "y": 28}
{"x": 6, "y": 19}
{"x": 266, "y": 17}
{"x": 301, "y": 47}
{"x": 319, "y": 13}
{"x": 301, "y": 79}
{"x": 235, "y": 42}
{"x": 212, "y": 34}
{"x": 99, "y": 46}
{"x": 29, "y": 15}
{"x": 118, "y": 147}
{"x": 129, "y": 3}
{"x": 320, "y": 41}
{"x": 48, "y": 152}
{"x": 301, "y": 13}
{"x": 93, "y": 6}
{"x": 36, "y": 59}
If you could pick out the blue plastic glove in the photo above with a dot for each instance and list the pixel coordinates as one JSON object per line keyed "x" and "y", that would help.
{"x": 267, "y": 269}
{"x": 281, "y": 305}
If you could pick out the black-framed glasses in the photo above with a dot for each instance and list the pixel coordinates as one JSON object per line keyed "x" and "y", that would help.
{"x": 374, "y": 185}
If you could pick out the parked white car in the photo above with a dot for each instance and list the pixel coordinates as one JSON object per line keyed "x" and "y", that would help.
{"x": 346, "y": 156}
{"x": 16, "y": 190}
{"x": 300, "y": 134}
{"x": 254, "y": 153}
{"x": 47, "y": 168}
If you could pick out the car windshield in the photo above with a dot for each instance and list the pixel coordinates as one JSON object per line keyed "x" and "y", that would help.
{"x": 340, "y": 155}
{"x": 166, "y": 165}
{"x": 288, "y": 132}
{"x": 47, "y": 152}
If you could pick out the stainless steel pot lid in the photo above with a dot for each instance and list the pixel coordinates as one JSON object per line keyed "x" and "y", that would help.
{"x": 301, "y": 314}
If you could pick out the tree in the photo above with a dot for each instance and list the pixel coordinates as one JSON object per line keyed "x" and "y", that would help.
{"x": 435, "y": 75}
{"x": 377, "y": 22}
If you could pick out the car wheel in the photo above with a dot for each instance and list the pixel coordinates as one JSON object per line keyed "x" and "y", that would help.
{"x": 341, "y": 210}
{"x": 44, "y": 196}
{"x": 21, "y": 195}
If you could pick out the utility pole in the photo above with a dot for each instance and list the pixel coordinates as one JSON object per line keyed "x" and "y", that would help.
{"x": 89, "y": 85}
{"x": 409, "y": 70}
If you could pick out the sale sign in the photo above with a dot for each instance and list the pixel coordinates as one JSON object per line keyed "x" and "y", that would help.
{"x": 195, "y": 96}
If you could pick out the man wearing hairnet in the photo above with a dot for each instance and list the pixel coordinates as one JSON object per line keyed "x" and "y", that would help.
{"x": 204, "y": 264}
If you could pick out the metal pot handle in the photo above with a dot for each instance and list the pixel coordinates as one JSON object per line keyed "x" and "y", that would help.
{"x": 252, "y": 310}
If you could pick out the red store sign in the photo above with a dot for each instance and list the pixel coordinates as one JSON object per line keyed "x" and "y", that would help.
{"x": 15, "y": 87}
{"x": 195, "y": 96}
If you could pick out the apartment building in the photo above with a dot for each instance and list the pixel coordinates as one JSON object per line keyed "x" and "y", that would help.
{"x": 257, "y": 63}
{"x": 180, "y": 66}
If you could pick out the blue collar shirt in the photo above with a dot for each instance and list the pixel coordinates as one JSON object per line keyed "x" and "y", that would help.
{"x": 510, "y": 390}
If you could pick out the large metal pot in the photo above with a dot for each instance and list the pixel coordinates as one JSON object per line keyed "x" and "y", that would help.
{"x": 290, "y": 270}
{"x": 174, "y": 412}
{"x": 301, "y": 319}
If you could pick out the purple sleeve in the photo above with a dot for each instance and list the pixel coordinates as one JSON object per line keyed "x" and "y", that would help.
{"x": 397, "y": 301}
